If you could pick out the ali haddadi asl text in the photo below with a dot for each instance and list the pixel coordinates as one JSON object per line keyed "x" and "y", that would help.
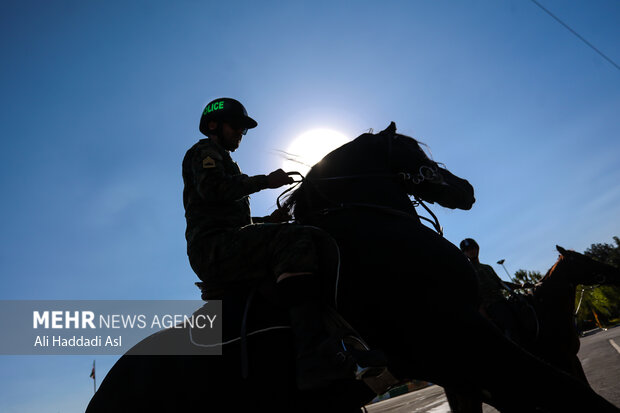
{"x": 78, "y": 341}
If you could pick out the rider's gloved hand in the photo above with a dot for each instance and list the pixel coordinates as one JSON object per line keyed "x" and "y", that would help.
{"x": 278, "y": 178}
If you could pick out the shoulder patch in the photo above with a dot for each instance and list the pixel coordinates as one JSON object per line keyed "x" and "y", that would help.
{"x": 208, "y": 162}
{"x": 212, "y": 152}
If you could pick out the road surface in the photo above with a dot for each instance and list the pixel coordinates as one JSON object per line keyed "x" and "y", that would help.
{"x": 599, "y": 355}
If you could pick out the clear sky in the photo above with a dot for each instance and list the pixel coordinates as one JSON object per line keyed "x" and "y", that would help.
{"x": 101, "y": 99}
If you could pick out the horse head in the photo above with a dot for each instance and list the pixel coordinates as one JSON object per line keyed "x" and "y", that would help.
{"x": 380, "y": 169}
{"x": 587, "y": 271}
{"x": 425, "y": 178}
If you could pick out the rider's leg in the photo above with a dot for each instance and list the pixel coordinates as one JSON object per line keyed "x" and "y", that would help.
{"x": 291, "y": 251}
{"x": 320, "y": 357}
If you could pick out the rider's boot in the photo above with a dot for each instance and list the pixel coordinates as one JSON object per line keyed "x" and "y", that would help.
{"x": 321, "y": 358}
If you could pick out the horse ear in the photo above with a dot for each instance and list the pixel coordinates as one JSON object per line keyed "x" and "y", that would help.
{"x": 390, "y": 130}
{"x": 560, "y": 250}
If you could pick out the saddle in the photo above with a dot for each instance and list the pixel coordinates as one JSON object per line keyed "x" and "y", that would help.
{"x": 248, "y": 308}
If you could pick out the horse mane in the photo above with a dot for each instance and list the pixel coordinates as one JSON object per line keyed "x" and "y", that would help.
{"x": 292, "y": 199}
{"x": 552, "y": 270}
{"x": 296, "y": 197}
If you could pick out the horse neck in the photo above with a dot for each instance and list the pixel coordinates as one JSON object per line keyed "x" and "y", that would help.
{"x": 555, "y": 298}
{"x": 378, "y": 190}
{"x": 557, "y": 290}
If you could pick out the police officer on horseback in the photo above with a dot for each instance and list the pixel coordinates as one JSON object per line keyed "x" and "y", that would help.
{"x": 227, "y": 247}
{"x": 491, "y": 289}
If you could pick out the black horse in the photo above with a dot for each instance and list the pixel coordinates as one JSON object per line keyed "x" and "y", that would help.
{"x": 406, "y": 289}
{"x": 546, "y": 318}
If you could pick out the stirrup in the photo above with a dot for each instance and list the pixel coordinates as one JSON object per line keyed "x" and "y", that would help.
{"x": 370, "y": 365}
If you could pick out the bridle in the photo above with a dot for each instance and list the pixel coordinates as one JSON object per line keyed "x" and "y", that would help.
{"x": 600, "y": 280}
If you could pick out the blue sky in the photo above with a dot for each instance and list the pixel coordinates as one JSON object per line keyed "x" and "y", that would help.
{"x": 100, "y": 101}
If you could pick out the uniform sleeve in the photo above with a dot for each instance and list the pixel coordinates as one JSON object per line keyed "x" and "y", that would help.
{"x": 496, "y": 277}
{"x": 214, "y": 184}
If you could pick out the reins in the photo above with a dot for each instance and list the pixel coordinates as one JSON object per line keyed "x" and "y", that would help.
{"x": 583, "y": 289}
{"x": 435, "y": 221}
{"x": 579, "y": 305}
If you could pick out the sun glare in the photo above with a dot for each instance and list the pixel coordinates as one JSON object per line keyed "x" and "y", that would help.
{"x": 310, "y": 147}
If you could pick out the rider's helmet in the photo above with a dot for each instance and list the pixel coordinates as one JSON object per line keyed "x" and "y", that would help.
{"x": 468, "y": 243}
{"x": 227, "y": 110}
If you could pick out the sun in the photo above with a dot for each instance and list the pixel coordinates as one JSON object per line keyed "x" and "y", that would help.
{"x": 310, "y": 147}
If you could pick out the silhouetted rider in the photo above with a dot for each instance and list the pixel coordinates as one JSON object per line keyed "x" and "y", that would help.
{"x": 226, "y": 245}
{"x": 491, "y": 288}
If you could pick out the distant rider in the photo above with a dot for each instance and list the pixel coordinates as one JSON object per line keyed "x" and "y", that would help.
{"x": 491, "y": 288}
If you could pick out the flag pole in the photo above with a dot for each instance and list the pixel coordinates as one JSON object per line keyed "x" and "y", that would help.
{"x": 94, "y": 377}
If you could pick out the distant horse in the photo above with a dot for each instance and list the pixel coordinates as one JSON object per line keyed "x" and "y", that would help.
{"x": 554, "y": 301}
{"x": 403, "y": 287}
{"x": 547, "y": 317}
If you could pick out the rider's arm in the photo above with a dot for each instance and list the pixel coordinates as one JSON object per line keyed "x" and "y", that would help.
{"x": 515, "y": 286}
{"x": 214, "y": 183}
{"x": 509, "y": 284}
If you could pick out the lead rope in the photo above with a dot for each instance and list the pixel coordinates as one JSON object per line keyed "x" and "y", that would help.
{"x": 244, "y": 336}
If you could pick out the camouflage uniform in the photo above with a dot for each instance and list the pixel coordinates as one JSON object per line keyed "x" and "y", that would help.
{"x": 489, "y": 285}
{"x": 224, "y": 245}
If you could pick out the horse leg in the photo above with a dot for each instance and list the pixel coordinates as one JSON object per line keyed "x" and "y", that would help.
{"x": 516, "y": 380}
{"x": 577, "y": 370}
{"x": 462, "y": 401}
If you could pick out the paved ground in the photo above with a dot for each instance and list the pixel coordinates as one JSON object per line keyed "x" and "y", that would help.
{"x": 599, "y": 355}
{"x": 430, "y": 399}
{"x": 600, "y": 358}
